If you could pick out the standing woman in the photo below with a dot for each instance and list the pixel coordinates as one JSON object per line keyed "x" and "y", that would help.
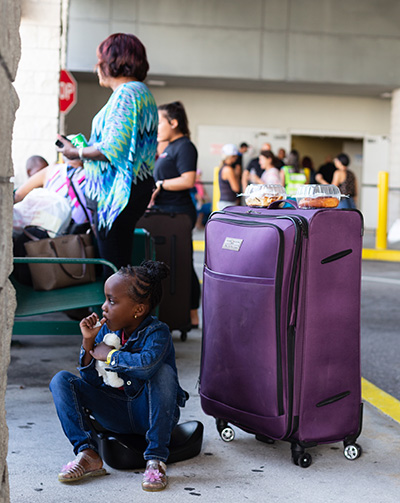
{"x": 119, "y": 160}
{"x": 228, "y": 180}
{"x": 346, "y": 181}
{"x": 271, "y": 174}
{"x": 175, "y": 175}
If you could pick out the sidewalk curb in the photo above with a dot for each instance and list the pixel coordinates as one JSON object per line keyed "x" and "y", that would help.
{"x": 381, "y": 400}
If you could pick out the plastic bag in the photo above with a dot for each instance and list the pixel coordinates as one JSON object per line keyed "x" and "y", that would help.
{"x": 394, "y": 232}
{"x": 42, "y": 208}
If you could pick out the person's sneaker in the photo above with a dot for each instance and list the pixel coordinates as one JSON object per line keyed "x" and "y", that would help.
{"x": 155, "y": 476}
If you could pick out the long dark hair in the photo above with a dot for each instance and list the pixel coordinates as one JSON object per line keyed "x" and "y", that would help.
{"x": 176, "y": 110}
{"x": 343, "y": 158}
{"x": 269, "y": 155}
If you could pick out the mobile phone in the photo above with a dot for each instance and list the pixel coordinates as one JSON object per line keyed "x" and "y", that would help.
{"x": 59, "y": 143}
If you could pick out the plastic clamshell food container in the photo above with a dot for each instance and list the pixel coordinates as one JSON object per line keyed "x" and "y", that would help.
{"x": 318, "y": 196}
{"x": 263, "y": 195}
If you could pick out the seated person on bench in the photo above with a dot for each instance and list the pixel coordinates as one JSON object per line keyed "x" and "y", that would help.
{"x": 149, "y": 400}
{"x": 67, "y": 180}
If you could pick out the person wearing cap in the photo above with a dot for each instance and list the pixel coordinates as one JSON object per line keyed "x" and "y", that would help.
{"x": 229, "y": 185}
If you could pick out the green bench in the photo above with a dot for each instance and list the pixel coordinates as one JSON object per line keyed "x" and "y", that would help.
{"x": 32, "y": 303}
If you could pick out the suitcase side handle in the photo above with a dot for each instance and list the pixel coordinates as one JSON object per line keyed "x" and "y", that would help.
{"x": 276, "y": 204}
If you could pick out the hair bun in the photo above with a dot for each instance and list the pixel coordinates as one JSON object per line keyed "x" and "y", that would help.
{"x": 156, "y": 270}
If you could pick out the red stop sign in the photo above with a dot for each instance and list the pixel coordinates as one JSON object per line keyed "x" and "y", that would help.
{"x": 68, "y": 91}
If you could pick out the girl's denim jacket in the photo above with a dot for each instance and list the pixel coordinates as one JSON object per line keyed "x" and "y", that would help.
{"x": 149, "y": 347}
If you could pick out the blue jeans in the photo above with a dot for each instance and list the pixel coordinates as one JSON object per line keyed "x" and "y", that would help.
{"x": 153, "y": 412}
{"x": 347, "y": 203}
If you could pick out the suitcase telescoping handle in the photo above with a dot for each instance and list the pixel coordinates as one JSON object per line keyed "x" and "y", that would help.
{"x": 277, "y": 204}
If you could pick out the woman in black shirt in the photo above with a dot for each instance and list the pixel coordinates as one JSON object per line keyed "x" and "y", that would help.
{"x": 175, "y": 175}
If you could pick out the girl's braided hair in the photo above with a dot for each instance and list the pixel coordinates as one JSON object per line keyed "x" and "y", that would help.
{"x": 145, "y": 281}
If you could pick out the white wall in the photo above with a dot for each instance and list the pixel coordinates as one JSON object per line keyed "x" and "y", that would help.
{"x": 37, "y": 84}
{"x": 297, "y": 113}
{"x": 318, "y": 41}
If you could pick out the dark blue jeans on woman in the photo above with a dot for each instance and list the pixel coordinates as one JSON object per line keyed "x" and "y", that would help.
{"x": 153, "y": 412}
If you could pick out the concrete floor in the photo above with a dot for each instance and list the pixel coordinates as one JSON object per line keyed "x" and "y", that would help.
{"x": 243, "y": 470}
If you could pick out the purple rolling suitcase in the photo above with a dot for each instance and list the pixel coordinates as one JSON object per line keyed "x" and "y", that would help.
{"x": 281, "y": 326}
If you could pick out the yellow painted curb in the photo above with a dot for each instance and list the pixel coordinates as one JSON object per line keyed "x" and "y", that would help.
{"x": 386, "y": 255}
{"x": 198, "y": 245}
{"x": 381, "y": 400}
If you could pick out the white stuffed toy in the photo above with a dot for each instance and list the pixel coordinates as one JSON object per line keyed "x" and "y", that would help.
{"x": 109, "y": 377}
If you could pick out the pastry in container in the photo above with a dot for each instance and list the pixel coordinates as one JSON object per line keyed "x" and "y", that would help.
{"x": 263, "y": 195}
{"x": 318, "y": 196}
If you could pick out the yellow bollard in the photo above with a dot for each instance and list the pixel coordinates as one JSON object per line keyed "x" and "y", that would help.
{"x": 381, "y": 229}
{"x": 216, "y": 194}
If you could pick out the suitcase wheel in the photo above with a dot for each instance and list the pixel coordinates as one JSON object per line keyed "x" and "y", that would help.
{"x": 226, "y": 432}
{"x": 352, "y": 451}
{"x": 300, "y": 457}
{"x": 304, "y": 460}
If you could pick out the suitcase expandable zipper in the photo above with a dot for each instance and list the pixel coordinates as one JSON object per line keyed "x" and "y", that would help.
{"x": 278, "y": 299}
{"x": 301, "y": 230}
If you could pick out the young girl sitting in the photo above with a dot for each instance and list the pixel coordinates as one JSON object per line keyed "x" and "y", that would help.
{"x": 148, "y": 402}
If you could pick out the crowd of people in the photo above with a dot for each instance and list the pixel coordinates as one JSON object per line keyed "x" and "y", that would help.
{"x": 140, "y": 156}
{"x": 290, "y": 171}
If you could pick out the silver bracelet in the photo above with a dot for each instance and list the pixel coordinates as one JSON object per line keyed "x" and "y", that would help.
{"x": 80, "y": 153}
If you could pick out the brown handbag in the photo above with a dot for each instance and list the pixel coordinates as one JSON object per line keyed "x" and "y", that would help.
{"x": 52, "y": 276}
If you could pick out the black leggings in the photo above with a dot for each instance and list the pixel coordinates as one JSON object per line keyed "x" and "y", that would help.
{"x": 116, "y": 245}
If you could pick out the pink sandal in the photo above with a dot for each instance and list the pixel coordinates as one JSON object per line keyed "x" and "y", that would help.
{"x": 80, "y": 468}
{"x": 155, "y": 476}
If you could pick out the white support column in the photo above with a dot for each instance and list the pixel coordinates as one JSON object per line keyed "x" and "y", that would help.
{"x": 395, "y": 140}
{"x": 394, "y": 159}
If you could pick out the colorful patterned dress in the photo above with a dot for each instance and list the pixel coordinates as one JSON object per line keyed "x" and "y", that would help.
{"x": 125, "y": 131}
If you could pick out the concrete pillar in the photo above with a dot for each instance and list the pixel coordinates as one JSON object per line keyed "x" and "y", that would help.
{"x": 9, "y": 57}
{"x": 394, "y": 159}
